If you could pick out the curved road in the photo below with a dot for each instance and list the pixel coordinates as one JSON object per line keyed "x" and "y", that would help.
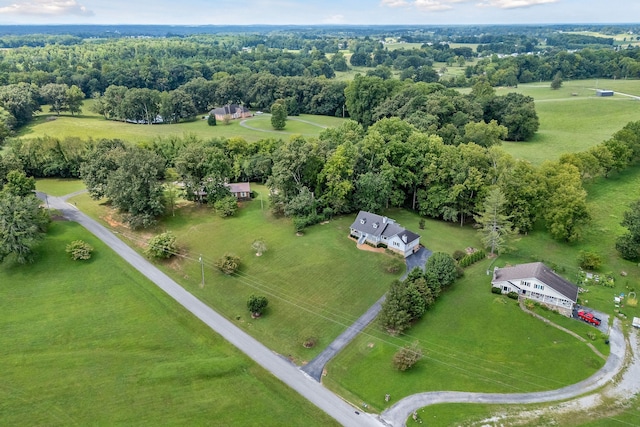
{"x": 288, "y": 373}
{"x": 313, "y": 391}
{"x": 397, "y": 415}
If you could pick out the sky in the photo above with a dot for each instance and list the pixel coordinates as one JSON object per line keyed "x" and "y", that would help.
{"x": 317, "y": 12}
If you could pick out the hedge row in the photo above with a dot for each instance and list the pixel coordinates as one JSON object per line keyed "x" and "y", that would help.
{"x": 472, "y": 258}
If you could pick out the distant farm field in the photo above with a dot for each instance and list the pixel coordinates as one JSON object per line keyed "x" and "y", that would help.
{"x": 89, "y": 125}
{"x": 573, "y": 118}
{"x": 95, "y": 343}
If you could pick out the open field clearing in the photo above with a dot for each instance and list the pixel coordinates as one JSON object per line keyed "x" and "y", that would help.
{"x": 84, "y": 346}
{"x": 573, "y": 118}
{"x": 89, "y": 125}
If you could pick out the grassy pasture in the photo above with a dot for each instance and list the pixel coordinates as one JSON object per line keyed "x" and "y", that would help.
{"x": 317, "y": 284}
{"x": 84, "y": 346}
{"x": 473, "y": 341}
{"x": 606, "y": 415}
{"x": 573, "y": 118}
{"x": 59, "y": 186}
{"x": 90, "y": 125}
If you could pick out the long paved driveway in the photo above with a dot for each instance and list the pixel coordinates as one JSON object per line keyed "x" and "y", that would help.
{"x": 288, "y": 373}
{"x": 398, "y": 413}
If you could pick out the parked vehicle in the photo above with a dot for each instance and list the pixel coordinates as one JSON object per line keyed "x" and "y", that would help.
{"x": 589, "y": 317}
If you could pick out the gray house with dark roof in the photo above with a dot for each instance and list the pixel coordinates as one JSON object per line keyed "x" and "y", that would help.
{"x": 538, "y": 282}
{"x": 380, "y": 230}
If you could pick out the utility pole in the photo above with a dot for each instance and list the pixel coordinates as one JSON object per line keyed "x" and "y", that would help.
{"x": 201, "y": 268}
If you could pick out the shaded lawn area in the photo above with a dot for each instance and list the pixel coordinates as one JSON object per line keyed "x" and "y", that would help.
{"x": 317, "y": 284}
{"x": 473, "y": 341}
{"x": 59, "y": 186}
{"x": 94, "y": 343}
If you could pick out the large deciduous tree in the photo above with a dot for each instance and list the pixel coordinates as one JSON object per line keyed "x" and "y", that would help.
{"x": 628, "y": 245}
{"x": 517, "y": 113}
{"x": 278, "y": 115}
{"x": 135, "y": 188}
{"x": 20, "y": 100}
{"x": 23, "y": 223}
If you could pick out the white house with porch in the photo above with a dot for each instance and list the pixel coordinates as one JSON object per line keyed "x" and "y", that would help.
{"x": 537, "y": 282}
{"x": 379, "y": 230}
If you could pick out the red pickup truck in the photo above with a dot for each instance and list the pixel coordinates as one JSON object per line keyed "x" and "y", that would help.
{"x": 589, "y": 317}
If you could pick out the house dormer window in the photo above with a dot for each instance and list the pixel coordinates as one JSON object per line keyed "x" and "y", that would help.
{"x": 363, "y": 221}
{"x": 376, "y": 224}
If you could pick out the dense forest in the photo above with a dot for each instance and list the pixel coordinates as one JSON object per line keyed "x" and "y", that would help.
{"x": 413, "y": 140}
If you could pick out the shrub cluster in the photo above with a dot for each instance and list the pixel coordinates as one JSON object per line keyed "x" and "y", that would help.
{"x": 495, "y": 290}
{"x": 79, "y": 250}
{"x": 512, "y": 295}
{"x": 472, "y": 258}
{"x": 407, "y": 356}
{"x": 162, "y": 245}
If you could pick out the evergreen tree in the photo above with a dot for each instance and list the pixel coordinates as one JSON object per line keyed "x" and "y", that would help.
{"x": 495, "y": 224}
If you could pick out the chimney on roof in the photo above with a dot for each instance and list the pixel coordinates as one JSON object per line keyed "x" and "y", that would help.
{"x": 384, "y": 219}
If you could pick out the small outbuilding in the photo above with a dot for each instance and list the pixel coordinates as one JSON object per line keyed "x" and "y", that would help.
{"x": 604, "y": 92}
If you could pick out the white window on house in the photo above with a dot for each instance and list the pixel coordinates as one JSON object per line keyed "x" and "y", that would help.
{"x": 527, "y": 284}
{"x": 536, "y": 286}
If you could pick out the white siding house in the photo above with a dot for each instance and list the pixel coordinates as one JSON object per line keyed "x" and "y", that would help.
{"x": 537, "y": 282}
{"x": 380, "y": 230}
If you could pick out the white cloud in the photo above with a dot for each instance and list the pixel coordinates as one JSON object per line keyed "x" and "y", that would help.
{"x": 428, "y": 5}
{"x": 46, "y": 7}
{"x": 439, "y": 5}
{"x": 513, "y": 4}
{"x": 394, "y": 3}
{"x": 334, "y": 19}
{"x": 432, "y": 5}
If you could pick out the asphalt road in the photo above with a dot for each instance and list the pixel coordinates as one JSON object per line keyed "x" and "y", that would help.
{"x": 398, "y": 413}
{"x": 288, "y": 373}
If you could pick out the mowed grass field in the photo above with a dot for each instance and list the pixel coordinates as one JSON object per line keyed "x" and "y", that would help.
{"x": 95, "y": 343}
{"x": 607, "y": 415}
{"x": 91, "y": 125}
{"x": 317, "y": 284}
{"x": 573, "y": 118}
{"x": 473, "y": 340}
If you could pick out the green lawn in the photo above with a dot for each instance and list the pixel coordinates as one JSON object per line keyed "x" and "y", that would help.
{"x": 571, "y": 123}
{"x": 607, "y": 200}
{"x": 94, "y": 343}
{"x": 59, "y": 186}
{"x": 473, "y": 340}
{"x": 317, "y": 284}
{"x": 606, "y": 415}
{"x": 90, "y": 125}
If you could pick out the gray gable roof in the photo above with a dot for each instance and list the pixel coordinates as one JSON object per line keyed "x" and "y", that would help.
{"x": 378, "y": 225}
{"x": 538, "y": 271}
{"x": 370, "y": 223}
